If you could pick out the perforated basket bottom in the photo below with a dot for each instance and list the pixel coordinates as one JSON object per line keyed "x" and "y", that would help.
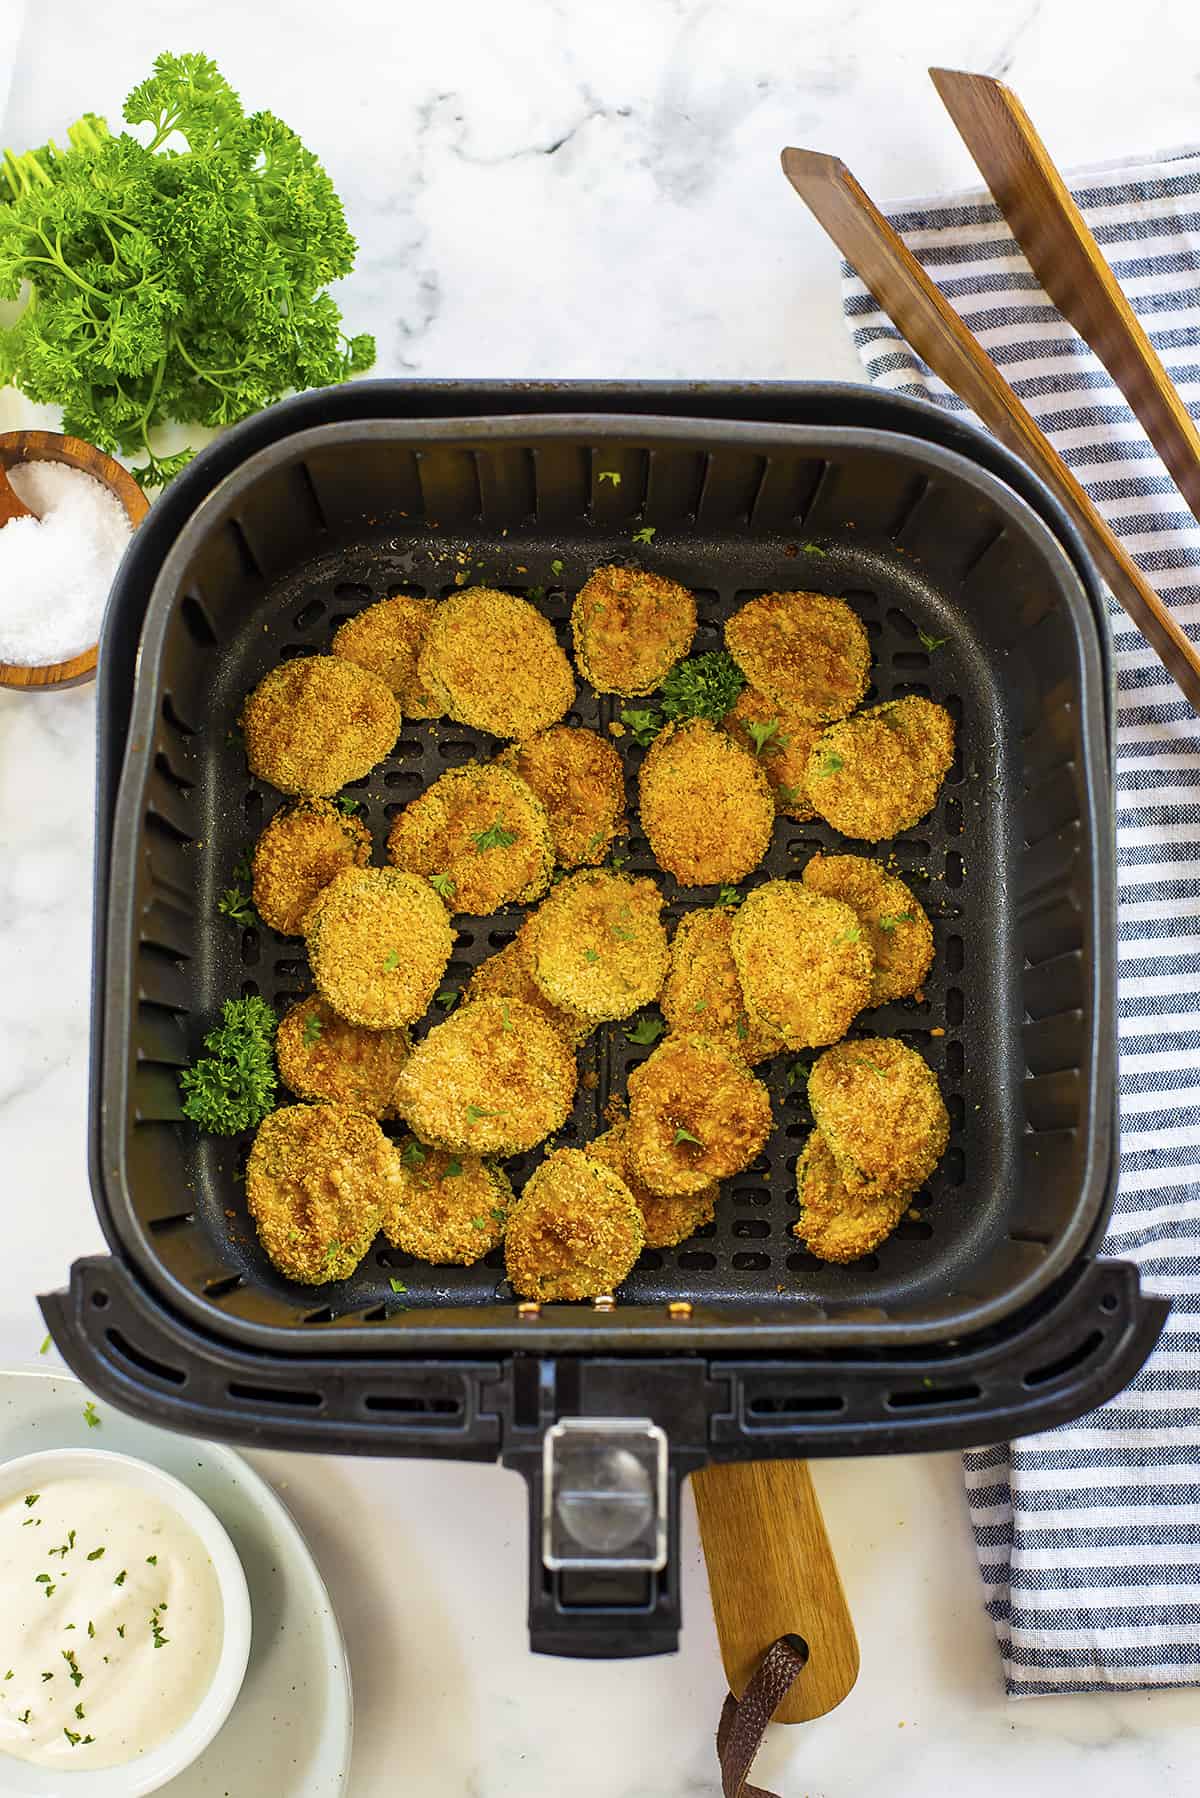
{"x": 749, "y": 1252}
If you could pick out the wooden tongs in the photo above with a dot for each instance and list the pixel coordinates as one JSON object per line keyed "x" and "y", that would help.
{"x": 1064, "y": 255}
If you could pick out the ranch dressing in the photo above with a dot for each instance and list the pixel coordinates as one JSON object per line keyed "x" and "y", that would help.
{"x": 111, "y": 1623}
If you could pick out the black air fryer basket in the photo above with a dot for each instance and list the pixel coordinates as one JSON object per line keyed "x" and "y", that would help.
{"x": 983, "y": 1315}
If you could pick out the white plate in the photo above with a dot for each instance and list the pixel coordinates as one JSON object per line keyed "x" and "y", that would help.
{"x": 290, "y": 1731}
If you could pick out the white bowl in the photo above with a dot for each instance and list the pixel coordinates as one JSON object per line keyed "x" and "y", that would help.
{"x": 153, "y": 1769}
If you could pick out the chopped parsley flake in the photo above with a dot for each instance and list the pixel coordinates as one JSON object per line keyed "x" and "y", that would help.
{"x": 391, "y": 960}
{"x": 453, "y": 1170}
{"x": 91, "y": 1416}
{"x": 397, "y": 1285}
{"x": 24, "y": 1717}
{"x": 413, "y": 1154}
{"x": 813, "y": 549}
{"x": 312, "y": 1028}
{"x": 643, "y": 724}
{"x": 152, "y": 1560}
{"x": 442, "y": 885}
{"x": 505, "y": 1020}
{"x": 832, "y": 764}
{"x": 647, "y": 1030}
{"x": 495, "y": 837}
{"x": 797, "y": 1074}
{"x": 446, "y": 996}
{"x": 682, "y": 1135}
{"x": 591, "y": 955}
{"x": 120, "y": 1579}
{"x": 645, "y": 534}
{"x": 121, "y": 1631}
{"x": 766, "y": 735}
{"x": 556, "y": 566}
{"x": 45, "y": 1348}
{"x": 609, "y": 474}
{"x": 95, "y": 1554}
{"x": 729, "y": 896}
{"x": 68, "y": 1655}
{"x": 890, "y": 920}
{"x": 31, "y": 1498}
{"x": 931, "y": 643}
{"x": 475, "y": 1112}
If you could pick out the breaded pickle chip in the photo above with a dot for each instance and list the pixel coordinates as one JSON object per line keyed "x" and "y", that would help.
{"x": 703, "y": 994}
{"x": 506, "y": 975}
{"x": 449, "y": 1209}
{"x": 576, "y": 1230}
{"x": 479, "y": 835}
{"x": 781, "y": 739}
{"x": 897, "y": 927}
{"x": 878, "y": 1105}
{"x": 630, "y": 628}
{"x": 880, "y": 772}
{"x": 836, "y": 1224}
{"x": 807, "y": 651}
{"x": 596, "y": 945}
{"x": 322, "y": 1056}
{"x": 580, "y": 780}
{"x": 387, "y": 638}
{"x": 298, "y": 853}
{"x": 668, "y": 1219}
{"x": 378, "y": 941}
{"x": 696, "y": 1114}
{"x": 706, "y": 805}
{"x": 318, "y": 1180}
{"x": 491, "y": 660}
{"x": 495, "y": 1079}
{"x": 317, "y": 722}
{"x": 804, "y": 962}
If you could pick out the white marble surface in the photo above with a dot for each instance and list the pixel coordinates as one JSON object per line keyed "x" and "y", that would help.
{"x": 564, "y": 187}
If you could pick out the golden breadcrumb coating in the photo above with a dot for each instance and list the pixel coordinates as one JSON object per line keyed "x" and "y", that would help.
{"x": 706, "y": 805}
{"x": 315, "y": 723}
{"x": 576, "y": 1230}
{"x": 804, "y": 962}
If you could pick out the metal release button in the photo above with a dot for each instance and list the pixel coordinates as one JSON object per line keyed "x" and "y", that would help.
{"x": 604, "y": 1494}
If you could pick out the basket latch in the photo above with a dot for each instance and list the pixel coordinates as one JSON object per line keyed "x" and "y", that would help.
{"x": 604, "y": 1495}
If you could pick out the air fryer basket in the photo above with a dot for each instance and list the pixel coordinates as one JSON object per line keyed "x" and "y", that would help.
{"x": 1026, "y": 1330}
{"x": 1015, "y": 865}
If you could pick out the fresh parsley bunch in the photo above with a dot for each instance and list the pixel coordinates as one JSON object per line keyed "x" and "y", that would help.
{"x": 179, "y": 278}
{"x": 232, "y": 1088}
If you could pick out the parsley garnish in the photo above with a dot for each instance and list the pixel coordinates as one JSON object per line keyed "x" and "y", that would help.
{"x": 832, "y": 764}
{"x": 591, "y": 955}
{"x": 743, "y": 1029}
{"x": 931, "y": 643}
{"x": 25, "y": 1716}
{"x": 160, "y": 1641}
{"x": 120, "y": 1579}
{"x": 764, "y": 735}
{"x": 31, "y": 1498}
{"x": 851, "y": 936}
{"x": 814, "y": 549}
{"x": 643, "y": 724}
{"x": 446, "y": 995}
{"x": 235, "y": 904}
{"x": 609, "y": 474}
{"x": 505, "y": 1020}
{"x": 45, "y": 1348}
{"x": 397, "y": 1286}
{"x": 96, "y": 1552}
{"x": 479, "y": 1223}
{"x": 79, "y": 1712}
{"x": 391, "y": 960}
{"x": 312, "y": 1028}
{"x": 645, "y": 534}
{"x": 890, "y": 919}
{"x": 703, "y": 686}
{"x": 210, "y": 297}
{"x": 556, "y": 566}
{"x": 647, "y": 1030}
{"x": 233, "y": 1087}
{"x": 68, "y": 1655}
{"x": 453, "y": 1170}
{"x": 495, "y": 837}
{"x": 787, "y": 795}
{"x": 121, "y": 1630}
{"x": 682, "y": 1135}
{"x": 797, "y": 1074}
{"x": 152, "y": 1560}
{"x": 346, "y": 804}
{"x": 413, "y": 1154}
{"x": 475, "y": 1112}
{"x": 91, "y": 1416}
{"x": 443, "y": 885}
{"x": 727, "y": 897}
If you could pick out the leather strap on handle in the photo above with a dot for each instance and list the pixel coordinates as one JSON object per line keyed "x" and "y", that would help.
{"x": 744, "y": 1724}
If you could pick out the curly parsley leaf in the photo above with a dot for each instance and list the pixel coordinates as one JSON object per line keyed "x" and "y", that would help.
{"x": 643, "y": 724}
{"x": 682, "y": 1135}
{"x": 181, "y": 273}
{"x": 703, "y": 686}
{"x": 609, "y": 474}
{"x": 645, "y": 1031}
{"x": 765, "y": 736}
{"x": 312, "y": 1029}
{"x": 645, "y": 534}
{"x": 232, "y": 1088}
{"x": 442, "y": 885}
{"x": 890, "y": 920}
{"x": 833, "y": 764}
{"x": 931, "y": 643}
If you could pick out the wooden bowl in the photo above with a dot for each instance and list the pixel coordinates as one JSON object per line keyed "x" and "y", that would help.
{"x": 51, "y": 446}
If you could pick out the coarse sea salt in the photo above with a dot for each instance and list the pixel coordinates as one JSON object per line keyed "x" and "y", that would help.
{"x": 56, "y": 568}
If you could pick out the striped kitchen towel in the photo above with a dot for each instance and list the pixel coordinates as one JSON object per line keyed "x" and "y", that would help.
{"x": 1089, "y": 1535}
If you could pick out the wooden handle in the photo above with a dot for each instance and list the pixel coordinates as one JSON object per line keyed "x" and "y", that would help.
{"x": 1068, "y": 262}
{"x": 938, "y": 335}
{"x": 772, "y": 1573}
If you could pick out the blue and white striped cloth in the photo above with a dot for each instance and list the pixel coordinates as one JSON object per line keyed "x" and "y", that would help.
{"x": 1089, "y": 1535}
